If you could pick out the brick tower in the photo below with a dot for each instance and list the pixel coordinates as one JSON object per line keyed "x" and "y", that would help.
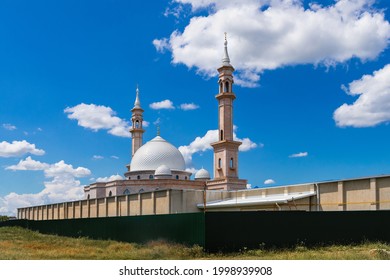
{"x": 226, "y": 149}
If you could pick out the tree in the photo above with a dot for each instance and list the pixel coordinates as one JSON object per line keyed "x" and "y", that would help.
{"x": 3, "y": 218}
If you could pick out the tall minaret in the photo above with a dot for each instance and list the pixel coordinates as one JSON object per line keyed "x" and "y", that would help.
{"x": 136, "y": 129}
{"x": 226, "y": 149}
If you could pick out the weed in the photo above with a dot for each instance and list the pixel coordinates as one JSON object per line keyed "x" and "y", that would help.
{"x": 22, "y": 244}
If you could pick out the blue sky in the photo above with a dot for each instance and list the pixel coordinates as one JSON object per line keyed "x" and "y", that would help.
{"x": 312, "y": 82}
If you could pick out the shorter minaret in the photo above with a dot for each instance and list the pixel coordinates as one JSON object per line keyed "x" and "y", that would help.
{"x": 136, "y": 130}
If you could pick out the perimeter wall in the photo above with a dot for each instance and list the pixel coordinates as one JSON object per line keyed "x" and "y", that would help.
{"x": 346, "y": 195}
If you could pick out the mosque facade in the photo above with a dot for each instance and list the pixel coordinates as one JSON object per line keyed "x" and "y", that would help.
{"x": 157, "y": 164}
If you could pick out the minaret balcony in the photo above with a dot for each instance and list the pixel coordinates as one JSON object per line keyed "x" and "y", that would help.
{"x": 141, "y": 130}
{"x": 222, "y": 95}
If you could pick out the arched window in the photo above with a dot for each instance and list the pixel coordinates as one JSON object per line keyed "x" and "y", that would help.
{"x": 185, "y": 178}
{"x": 226, "y": 86}
{"x": 110, "y": 194}
{"x": 219, "y": 163}
{"x": 88, "y": 196}
{"x": 137, "y": 124}
{"x": 221, "y": 134}
{"x": 126, "y": 192}
{"x": 138, "y": 177}
{"x": 150, "y": 177}
{"x": 220, "y": 87}
{"x": 177, "y": 177}
{"x": 231, "y": 163}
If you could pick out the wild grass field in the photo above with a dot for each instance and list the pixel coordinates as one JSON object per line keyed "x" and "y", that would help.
{"x": 21, "y": 244}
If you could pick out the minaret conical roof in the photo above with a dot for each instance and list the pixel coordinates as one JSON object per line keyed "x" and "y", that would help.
{"x": 226, "y": 59}
{"x": 137, "y": 103}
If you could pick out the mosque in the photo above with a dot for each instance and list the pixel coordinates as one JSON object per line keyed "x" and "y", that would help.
{"x": 158, "y": 164}
{"x": 156, "y": 181}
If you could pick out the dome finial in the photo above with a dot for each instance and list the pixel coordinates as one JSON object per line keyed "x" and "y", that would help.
{"x": 226, "y": 59}
{"x": 158, "y": 130}
{"x": 137, "y": 103}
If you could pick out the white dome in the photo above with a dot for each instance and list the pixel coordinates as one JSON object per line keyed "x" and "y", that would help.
{"x": 202, "y": 174}
{"x": 155, "y": 153}
{"x": 163, "y": 170}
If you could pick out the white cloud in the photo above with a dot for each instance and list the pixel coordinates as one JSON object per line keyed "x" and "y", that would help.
{"x": 9, "y": 126}
{"x": 302, "y": 154}
{"x": 114, "y": 157}
{"x": 61, "y": 168}
{"x": 188, "y": 106}
{"x": 373, "y": 104}
{"x": 161, "y": 44}
{"x": 98, "y": 117}
{"x": 19, "y": 148}
{"x": 269, "y": 34}
{"x": 201, "y": 144}
{"x": 62, "y": 186}
{"x": 165, "y": 104}
{"x": 192, "y": 170}
{"x": 145, "y": 123}
{"x": 28, "y": 164}
{"x": 109, "y": 179}
{"x": 97, "y": 157}
{"x": 246, "y": 145}
{"x": 269, "y": 182}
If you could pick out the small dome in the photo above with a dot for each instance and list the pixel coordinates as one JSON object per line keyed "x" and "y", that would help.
{"x": 202, "y": 174}
{"x": 163, "y": 170}
{"x": 155, "y": 153}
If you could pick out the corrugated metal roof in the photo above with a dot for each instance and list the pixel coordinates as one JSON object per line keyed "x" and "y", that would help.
{"x": 256, "y": 200}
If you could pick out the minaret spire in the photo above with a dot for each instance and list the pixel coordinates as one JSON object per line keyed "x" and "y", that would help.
{"x": 226, "y": 59}
{"x": 137, "y": 103}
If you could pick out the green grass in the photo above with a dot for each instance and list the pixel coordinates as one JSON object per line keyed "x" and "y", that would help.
{"x": 21, "y": 244}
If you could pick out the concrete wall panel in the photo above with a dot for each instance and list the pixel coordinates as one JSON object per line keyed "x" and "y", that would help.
{"x": 383, "y": 193}
{"x": 101, "y": 204}
{"x": 92, "y": 208}
{"x": 357, "y": 194}
{"x": 134, "y": 205}
{"x": 328, "y": 196}
{"x": 147, "y": 203}
{"x": 111, "y": 207}
{"x": 122, "y": 205}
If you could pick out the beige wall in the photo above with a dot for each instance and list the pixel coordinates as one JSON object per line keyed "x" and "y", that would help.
{"x": 111, "y": 207}
{"x": 357, "y": 195}
{"x": 147, "y": 203}
{"x": 122, "y": 205}
{"x": 101, "y": 205}
{"x": 347, "y": 195}
{"x": 135, "y": 204}
{"x": 92, "y": 208}
{"x": 329, "y": 197}
{"x": 383, "y": 193}
{"x": 162, "y": 202}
